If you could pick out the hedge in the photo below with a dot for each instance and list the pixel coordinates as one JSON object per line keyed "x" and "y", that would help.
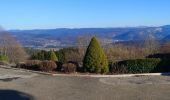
{"x": 142, "y": 65}
{"x": 145, "y": 65}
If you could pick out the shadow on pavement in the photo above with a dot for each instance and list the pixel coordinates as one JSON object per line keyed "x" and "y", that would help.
{"x": 165, "y": 74}
{"x": 9, "y": 79}
{"x": 14, "y": 95}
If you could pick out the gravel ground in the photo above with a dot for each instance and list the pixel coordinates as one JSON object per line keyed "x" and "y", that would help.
{"x": 44, "y": 87}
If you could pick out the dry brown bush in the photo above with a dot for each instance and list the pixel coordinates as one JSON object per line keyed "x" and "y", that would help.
{"x": 69, "y": 67}
{"x": 32, "y": 64}
{"x": 48, "y": 66}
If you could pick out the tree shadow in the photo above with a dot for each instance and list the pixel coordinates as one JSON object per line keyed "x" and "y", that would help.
{"x": 59, "y": 66}
{"x": 164, "y": 65}
{"x": 165, "y": 74}
{"x": 160, "y": 55}
{"x": 14, "y": 95}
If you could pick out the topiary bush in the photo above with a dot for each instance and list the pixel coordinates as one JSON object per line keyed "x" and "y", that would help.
{"x": 48, "y": 66}
{"x": 95, "y": 60}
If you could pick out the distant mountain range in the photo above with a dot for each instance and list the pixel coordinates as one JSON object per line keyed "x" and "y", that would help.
{"x": 68, "y": 37}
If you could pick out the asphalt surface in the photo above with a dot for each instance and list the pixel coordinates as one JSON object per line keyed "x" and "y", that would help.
{"x": 20, "y": 85}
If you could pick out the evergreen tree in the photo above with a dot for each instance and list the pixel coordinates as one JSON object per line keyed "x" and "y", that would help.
{"x": 34, "y": 56}
{"x": 40, "y": 55}
{"x": 53, "y": 56}
{"x": 95, "y": 59}
{"x": 46, "y": 55}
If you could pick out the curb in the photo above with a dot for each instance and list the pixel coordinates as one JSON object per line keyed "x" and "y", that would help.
{"x": 115, "y": 76}
{"x": 93, "y": 76}
{"x": 131, "y": 75}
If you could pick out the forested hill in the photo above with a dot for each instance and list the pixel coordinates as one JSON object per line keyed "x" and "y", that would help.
{"x": 67, "y": 36}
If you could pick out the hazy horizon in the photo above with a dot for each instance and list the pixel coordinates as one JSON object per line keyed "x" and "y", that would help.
{"x": 83, "y": 27}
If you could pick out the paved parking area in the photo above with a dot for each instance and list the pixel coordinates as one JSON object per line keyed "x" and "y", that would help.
{"x": 14, "y": 74}
{"x": 31, "y": 86}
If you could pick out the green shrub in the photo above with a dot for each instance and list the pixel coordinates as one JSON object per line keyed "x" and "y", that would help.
{"x": 145, "y": 65}
{"x": 40, "y": 55}
{"x": 95, "y": 59}
{"x": 52, "y": 56}
{"x": 142, "y": 65}
{"x": 4, "y": 58}
{"x": 69, "y": 54}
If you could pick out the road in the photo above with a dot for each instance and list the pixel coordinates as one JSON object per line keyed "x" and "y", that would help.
{"x": 20, "y": 85}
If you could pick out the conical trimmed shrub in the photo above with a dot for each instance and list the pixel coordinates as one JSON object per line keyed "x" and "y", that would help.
{"x": 95, "y": 60}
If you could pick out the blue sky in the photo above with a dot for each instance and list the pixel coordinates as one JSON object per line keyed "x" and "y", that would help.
{"x": 38, "y": 14}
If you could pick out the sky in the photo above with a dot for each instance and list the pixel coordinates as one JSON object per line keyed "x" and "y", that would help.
{"x": 48, "y": 14}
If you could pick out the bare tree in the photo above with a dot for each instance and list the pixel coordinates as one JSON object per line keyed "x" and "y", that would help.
{"x": 117, "y": 52}
{"x": 165, "y": 48}
{"x": 83, "y": 41}
{"x": 75, "y": 56}
{"x": 151, "y": 45}
{"x": 11, "y": 48}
